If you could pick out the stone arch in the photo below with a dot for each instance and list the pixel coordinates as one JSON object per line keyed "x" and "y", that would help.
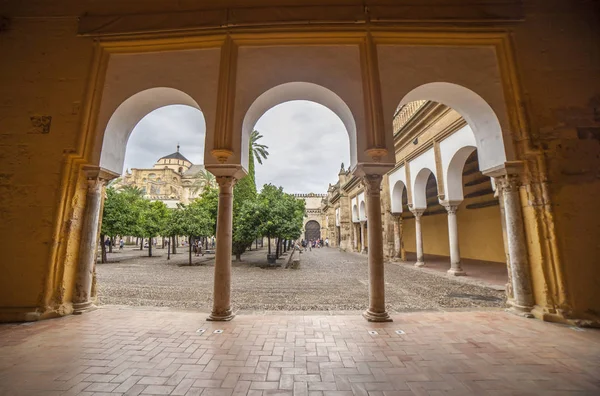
{"x": 477, "y": 113}
{"x": 362, "y": 210}
{"x": 298, "y": 91}
{"x": 420, "y": 188}
{"x": 355, "y": 213}
{"x": 455, "y": 150}
{"x": 397, "y": 194}
{"x": 128, "y": 115}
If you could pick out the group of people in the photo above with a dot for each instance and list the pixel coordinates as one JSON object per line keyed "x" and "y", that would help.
{"x": 108, "y": 242}
{"x": 198, "y": 248}
{"x": 316, "y": 243}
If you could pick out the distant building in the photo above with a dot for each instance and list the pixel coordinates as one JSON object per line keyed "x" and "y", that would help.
{"x": 173, "y": 179}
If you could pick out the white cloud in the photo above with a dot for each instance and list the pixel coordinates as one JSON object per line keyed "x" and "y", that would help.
{"x": 307, "y": 143}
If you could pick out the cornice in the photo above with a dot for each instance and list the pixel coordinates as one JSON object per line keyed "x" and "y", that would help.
{"x": 257, "y": 16}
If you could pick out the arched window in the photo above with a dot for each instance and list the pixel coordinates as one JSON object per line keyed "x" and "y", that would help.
{"x": 181, "y": 169}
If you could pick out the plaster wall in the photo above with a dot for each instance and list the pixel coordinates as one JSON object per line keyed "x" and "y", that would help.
{"x": 558, "y": 51}
{"x": 479, "y": 234}
{"x": 43, "y": 71}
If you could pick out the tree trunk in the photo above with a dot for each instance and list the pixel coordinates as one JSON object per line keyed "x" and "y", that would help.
{"x": 269, "y": 238}
{"x": 173, "y": 245}
{"x": 190, "y": 249}
{"x": 238, "y": 257}
{"x": 103, "y": 237}
{"x": 110, "y": 245}
{"x": 141, "y": 243}
{"x": 163, "y": 242}
{"x": 277, "y": 247}
{"x": 149, "y": 247}
{"x": 136, "y": 240}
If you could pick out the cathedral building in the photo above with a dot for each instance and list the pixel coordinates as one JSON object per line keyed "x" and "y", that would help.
{"x": 173, "y": 179}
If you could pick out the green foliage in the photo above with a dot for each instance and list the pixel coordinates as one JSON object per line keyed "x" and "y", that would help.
{"x": 153, "y": 217}
{"x": 196, "y": 220}
{"x": 282, "y": 213}
{"x": 209, "y": 201}
{"x": 204, "y": 180}
{"x": 121, "y": 212}
{"x": 258, "y": 150}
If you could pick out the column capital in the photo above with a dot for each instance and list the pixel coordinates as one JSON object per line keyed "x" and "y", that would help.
{"x": 226, "y": 182}
{"x": 372, "y": 184}
{"x": 451, "y": 206}
{"x": 417, "y": 212}
{"x": 508, "y": 183}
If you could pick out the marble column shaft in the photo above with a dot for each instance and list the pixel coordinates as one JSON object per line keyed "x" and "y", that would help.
{"x": 419, "y": 237}
{"x": 222, "y": 281}
{"x": 376, "y": 311}
{"x": 517, "y": 250}
{"x": 455, "y": 267}
{"x": 88, "y": 244}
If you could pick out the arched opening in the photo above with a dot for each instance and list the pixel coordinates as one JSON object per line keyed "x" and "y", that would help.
{"x": 158, "y": 135}
{"x": 128, "y": 115}
{"x": 312, "y": 230}
{"x": 294, "y": 91}
{"x": 451, "y": 197}
{"x": 362, "y": 211}
{"x": 492, "y": 150}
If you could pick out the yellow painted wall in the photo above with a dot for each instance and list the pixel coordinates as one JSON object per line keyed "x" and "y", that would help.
{"x": 479, "y": 233}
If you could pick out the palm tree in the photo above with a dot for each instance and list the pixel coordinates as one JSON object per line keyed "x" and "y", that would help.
{"x": 259, "y": 150}
{"x": 204, "y": 180}
{"x": 133, "y": 190}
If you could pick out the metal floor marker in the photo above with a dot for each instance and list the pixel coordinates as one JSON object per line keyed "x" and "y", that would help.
{"x": 217, "y": 331}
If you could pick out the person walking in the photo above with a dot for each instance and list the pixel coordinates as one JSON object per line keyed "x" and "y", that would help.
{"x": 121, "y": 244}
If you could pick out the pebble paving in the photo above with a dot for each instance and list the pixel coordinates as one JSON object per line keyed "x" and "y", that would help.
{"x": 327, "y": 280}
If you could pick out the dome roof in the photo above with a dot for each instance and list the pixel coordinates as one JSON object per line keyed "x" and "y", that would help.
{"x": 176, "y": 155}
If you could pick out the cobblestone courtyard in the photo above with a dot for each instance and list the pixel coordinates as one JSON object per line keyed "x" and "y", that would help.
{"x": 327, "y": 280}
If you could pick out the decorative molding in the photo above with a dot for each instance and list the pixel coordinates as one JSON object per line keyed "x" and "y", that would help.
{"x": 40, "y": 124}
{"x": 372, "y": 185}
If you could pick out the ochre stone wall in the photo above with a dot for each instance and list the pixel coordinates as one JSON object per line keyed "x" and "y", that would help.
{"x": 43, "y": 71}
{"x": 558, "y": 54}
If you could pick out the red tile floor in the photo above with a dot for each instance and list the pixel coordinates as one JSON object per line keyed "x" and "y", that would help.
{"x": 135, "y": 351}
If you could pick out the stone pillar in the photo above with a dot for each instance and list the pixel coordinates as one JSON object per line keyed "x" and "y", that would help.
{"x": 88, "y": 244}
{"x": 376, "y": 311}
{"x": 222, "y": 282}
{"x": 517, "y": 251}
{"x": 361, "y": 245}
{"x": 419, "y": 237}
{"x": 455, "y": 267}
{"x": 399, "y": 251}
{"x": 509, "y": 293}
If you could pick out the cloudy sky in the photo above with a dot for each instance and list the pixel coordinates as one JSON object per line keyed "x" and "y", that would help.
{"x": 307, "y": 143}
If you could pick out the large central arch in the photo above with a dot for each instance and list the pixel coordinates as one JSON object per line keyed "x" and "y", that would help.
{"x": 298, "y": 91}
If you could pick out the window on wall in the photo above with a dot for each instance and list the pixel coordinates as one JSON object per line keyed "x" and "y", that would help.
{"x": 181, "y": 169}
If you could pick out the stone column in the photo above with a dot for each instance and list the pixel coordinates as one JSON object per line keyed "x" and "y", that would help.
{"x": 361, "y": 246}
{"x": 419, "y": 237}
{"x": 400, "y": 253}
{"x": 376, "y": 311}
{"x": 222, "y": 282}
{"x": 517, "y": 251}
{"x": 455, "y": 267}
{"x": 88, "y": 244}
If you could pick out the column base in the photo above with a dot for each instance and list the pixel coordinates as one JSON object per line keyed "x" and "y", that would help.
{"x": 79, "y": 308}
{"x": 518, "y": 310}
{"x": 225, "y": 316}
{"x": 456, "y": 272}
{"x": 420, "y": 264}
{"x": 371, "y": 316}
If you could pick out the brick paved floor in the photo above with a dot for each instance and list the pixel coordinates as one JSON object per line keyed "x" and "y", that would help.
{"x": 135, "y": 351}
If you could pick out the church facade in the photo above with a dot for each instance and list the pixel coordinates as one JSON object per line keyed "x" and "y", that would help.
{"x": 173, "y": 180}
